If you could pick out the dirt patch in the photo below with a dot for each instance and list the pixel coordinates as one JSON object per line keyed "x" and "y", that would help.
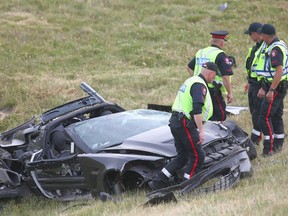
{"x": 22, "y": 18}
{"x": 4, "y": 113}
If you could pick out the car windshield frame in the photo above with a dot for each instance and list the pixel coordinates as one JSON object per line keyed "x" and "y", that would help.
{"x": 113, "y": 129}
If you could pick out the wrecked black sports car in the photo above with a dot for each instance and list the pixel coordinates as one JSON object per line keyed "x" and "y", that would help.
{"x": 89, "y": 146}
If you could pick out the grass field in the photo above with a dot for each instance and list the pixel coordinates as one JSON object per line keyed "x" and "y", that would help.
{"x": 133, "y": 53}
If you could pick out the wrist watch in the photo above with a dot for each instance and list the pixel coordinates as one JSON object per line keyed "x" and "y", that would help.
{"x": 271, "y": 89}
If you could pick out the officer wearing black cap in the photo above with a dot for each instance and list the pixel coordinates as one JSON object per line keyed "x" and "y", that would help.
{"x": 222, "y": 84}
{"x": 253, "y": 86}
{"x": 192, "y": 107}
{"x": 272, "y": 71}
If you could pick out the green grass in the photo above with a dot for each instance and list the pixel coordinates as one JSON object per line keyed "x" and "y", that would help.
{"x": 133, "y": 53}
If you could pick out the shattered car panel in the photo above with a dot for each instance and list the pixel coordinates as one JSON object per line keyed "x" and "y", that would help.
{"x": 88, "y": 146}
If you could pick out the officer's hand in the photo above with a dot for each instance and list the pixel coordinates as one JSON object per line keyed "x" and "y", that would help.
{"x": 201, "y": 137}
{"x": 261, "y": 93}
{"x": 269, "y": 95}
{"x": 246, "y": 87}
{"x": 229, "y": 98}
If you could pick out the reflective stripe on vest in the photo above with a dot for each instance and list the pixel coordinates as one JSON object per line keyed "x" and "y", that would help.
{"x": 184, "y": 102}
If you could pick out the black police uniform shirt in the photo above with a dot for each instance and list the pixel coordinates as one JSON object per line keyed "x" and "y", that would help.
{"x": 198, "y": 92}
{"x": 222, "y": 62}
{"x": 276, "y": 55}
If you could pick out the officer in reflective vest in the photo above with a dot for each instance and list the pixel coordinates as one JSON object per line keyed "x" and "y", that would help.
{"x": 272, "y": 71}
{"x": 192, "y": 107}
{"x": 222, "y": 83}
{"x": 252, "y": 87}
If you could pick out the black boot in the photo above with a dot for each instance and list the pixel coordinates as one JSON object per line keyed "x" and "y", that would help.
{"x": 277, "y": 148}
{"x": 256, "y": 139}
{"x": 161, "y": 181}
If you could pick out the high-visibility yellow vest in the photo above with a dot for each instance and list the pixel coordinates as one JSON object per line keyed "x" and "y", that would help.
{"x": 208, "y": 54}
{"x": 264, "y": 68}
{"x": 250, "y": 70}
{"x": 184, "y": 102}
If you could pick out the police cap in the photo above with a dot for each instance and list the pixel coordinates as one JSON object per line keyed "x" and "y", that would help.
{"x": 211, "y": 66}
{"x": 254, "y": 27}
{"x": 267, "y": 29}
{"x": 221, "y": 34}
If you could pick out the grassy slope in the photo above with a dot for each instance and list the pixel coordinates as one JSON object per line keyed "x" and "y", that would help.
{"x": 132, "y": 53}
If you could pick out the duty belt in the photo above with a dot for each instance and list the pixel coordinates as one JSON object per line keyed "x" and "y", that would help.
{"x": 179, "y": 115}
{"x": 253, "y": 80}
{"x": 282, "y": 86}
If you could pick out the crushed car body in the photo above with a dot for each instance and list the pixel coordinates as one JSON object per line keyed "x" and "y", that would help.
{"x": 88, "y": 146}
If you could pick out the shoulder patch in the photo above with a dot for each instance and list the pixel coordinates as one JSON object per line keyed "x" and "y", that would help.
{"x": 226, "y": 59}
{"x": 204, "y": 90}
{"x": 274, "y": 53}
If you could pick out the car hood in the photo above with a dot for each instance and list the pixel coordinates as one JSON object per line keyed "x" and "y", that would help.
{"x": 158, "y": 142}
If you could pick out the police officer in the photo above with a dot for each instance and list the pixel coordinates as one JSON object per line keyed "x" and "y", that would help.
{"x": 272, "y": 70}
{"x": 253, "y": 85}
{"x": 191, "y": 107}
{"x": 222, "y": 83}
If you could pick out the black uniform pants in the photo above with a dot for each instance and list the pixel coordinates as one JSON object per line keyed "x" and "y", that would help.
{"x": 189, "y": 153}
{"x": 254, "y": 107}
{"x": 219, "y": 105}
{"x": 271, "y": 122}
